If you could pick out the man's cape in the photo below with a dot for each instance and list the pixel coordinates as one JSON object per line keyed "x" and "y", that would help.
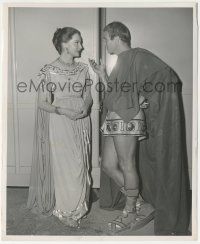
{"x": 162, "y": 157}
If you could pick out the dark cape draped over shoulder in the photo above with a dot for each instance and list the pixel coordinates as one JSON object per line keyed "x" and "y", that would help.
{"x": 162, "y": 157}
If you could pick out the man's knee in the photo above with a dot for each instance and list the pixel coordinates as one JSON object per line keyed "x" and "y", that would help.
{"x": 127, "y": 165}
{"x": 107, "y": 168}
{"x": 128, "y": 168}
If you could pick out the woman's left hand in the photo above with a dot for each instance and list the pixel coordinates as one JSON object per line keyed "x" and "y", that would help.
{"x": 83, "y": 112}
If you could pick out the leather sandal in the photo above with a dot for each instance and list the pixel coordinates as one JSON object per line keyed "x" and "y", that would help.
{"x": 141, "y": 220}
{"x": 122, "y": 222}
{"x": 137, "y": 221}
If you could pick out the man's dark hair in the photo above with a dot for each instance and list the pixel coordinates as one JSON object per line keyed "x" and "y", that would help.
{"x": 118, "y": 29}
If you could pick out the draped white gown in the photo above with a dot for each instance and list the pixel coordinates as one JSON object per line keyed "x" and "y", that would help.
{"x": 69, "y": 143}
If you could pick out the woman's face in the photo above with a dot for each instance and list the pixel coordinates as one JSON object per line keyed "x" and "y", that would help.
{"x": 74, "y": 46}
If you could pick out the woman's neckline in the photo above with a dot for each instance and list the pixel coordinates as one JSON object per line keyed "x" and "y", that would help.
{"x": 65, "y": 64}
{"x": 61, "y": 66}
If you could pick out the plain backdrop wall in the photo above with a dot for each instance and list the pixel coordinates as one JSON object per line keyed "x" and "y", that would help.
{"x": 31, "y": 47}
{"x": 168, "y": 33}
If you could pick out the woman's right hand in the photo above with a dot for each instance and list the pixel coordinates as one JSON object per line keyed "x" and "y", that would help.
{"x": 71, "y": 114}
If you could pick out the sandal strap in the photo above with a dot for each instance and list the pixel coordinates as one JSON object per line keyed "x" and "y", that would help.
{"x": 132, "y": 192}
{"x": 120, "y": 224}
{"x": 119, "y": 218}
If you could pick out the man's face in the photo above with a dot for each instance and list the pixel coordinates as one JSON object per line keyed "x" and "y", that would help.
{"x": 111, "y": 45}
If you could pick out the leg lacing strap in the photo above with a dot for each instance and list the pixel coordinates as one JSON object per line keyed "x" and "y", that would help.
{"x": 131, "y": 200}
{"x": 132, "y": 192}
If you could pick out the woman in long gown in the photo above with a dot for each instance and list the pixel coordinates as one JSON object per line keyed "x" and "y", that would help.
{"x": 60, "y": 181}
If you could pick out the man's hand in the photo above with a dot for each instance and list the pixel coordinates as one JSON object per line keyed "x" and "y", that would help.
{"x": 143, "y": 102}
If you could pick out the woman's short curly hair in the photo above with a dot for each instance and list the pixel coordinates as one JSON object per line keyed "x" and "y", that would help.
{"x": 63, "y": 35}
{"x": 118, "y": 29}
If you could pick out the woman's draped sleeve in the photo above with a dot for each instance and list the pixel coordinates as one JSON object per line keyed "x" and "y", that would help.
{"x": 41, "y": 198}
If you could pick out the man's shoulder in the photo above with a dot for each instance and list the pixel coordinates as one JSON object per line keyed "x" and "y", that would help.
{"x": 142, "y": 52}
{"x": 146, "y": 56}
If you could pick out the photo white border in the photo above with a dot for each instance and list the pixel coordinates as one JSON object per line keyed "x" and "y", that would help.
{"x": 3, "y": 122}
